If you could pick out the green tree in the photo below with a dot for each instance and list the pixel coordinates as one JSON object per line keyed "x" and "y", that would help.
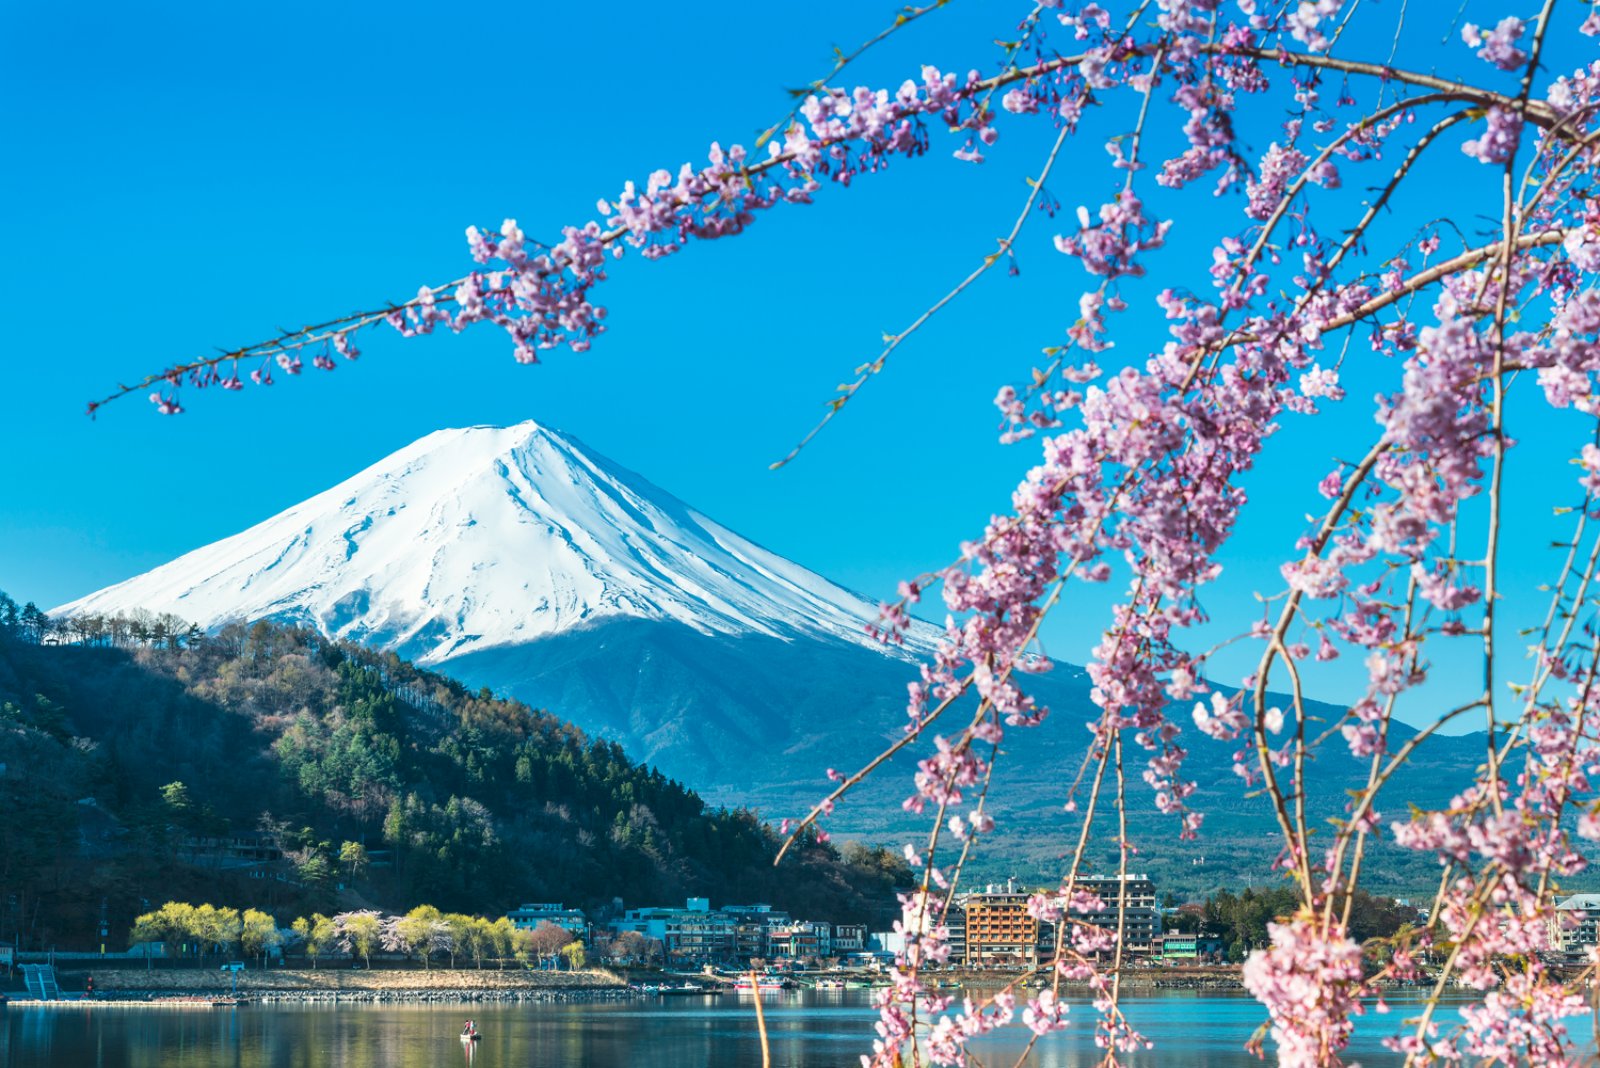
{"x": 314, "y": 870}
{"x": 362, "y": 929}
{"x": 304, "y": 930}
{"x": 418, "y": 931}
{"x": 35, "y": 625}
{"x": 319, "y": 935}
{"x": 575, "y": 956}
{"x": 459, "y": 930}
{"x": 503, "y": 939}
{"x": 353, "y": 857}
{"x": 218, "y": 928}
{"x": 172, "y": 925}
{"x": 258, "y": 934}
{"x": 480, "y": 939}
{"x": 179, "y": 805}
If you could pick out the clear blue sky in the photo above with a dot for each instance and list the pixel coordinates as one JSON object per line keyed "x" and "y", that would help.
{"x": 189, "y": 176}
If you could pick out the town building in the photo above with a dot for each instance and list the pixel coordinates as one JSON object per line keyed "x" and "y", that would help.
{"x": 955, "y": 924}
{"x": 1576, "y": 924}
{"x": 849, "y": 938}
{"x": 691, "y": 935}
{"x": 528, "y": 917}
{"x": 1135, "y": 898}
{"x": 752, "y": 929}
{"x": 887, "y": 943}
{"x": 699, "y": 934}
{"x": 1179, "y": 946}
{"x": 807, "y": 939}
{"x": 1000, "y": 932}
{"x": 245, "y": 849}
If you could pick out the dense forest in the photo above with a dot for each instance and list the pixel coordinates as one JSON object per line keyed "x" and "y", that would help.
{"x": 268, "y": 766}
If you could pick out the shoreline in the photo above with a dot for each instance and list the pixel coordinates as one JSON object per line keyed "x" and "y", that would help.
{"x": 179, "y": 986}
{"x": 182, "y": 988}
{"x": 181, "y": 999}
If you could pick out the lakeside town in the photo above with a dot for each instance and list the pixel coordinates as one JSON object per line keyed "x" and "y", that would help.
{"x": 548, "y": 951}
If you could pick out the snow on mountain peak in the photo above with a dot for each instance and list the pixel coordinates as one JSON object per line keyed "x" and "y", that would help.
{"x": 474, "y": 538}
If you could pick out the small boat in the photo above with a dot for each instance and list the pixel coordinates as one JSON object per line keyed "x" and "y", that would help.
{"x": 763, "y": 985}
{"x": 471, "y": 1036}
{"x": 681, "y": 989}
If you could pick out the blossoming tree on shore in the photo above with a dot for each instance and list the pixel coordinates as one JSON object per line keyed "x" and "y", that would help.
{"x": 1133, "y": 463}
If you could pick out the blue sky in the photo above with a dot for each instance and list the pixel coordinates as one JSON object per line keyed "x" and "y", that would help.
{"x": 195, "y": 176}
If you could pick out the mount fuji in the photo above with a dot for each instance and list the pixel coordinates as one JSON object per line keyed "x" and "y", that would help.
{"x": 515, "y": 557}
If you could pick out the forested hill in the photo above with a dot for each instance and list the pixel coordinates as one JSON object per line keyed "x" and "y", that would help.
{"x": 143, "y": 760}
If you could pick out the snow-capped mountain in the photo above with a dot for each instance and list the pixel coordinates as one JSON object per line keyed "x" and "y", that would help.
{"x": 490, "y": 537}
{"x": 516, "y": 559}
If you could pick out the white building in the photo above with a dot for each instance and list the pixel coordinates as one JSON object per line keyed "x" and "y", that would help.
{"x": 1574, "y": 928}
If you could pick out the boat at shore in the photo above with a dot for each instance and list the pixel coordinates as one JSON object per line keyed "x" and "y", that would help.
{"x": 671, "y": 990}
{"x": 765, "y": 984}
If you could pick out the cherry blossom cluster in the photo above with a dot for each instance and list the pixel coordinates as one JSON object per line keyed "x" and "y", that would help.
{"x": 1311, "y": 980}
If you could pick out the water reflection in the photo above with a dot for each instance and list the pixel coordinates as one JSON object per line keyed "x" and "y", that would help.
{"x": 808, "y": 1030}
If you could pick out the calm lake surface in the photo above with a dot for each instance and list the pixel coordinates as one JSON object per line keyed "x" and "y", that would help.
{"x": 808, "y": 1030}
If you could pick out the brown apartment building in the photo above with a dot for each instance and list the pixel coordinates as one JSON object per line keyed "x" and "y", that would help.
{"x": 1001, "y": 934}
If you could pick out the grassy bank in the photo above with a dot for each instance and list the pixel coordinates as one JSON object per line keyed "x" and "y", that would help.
{"x": 115, "y": 981}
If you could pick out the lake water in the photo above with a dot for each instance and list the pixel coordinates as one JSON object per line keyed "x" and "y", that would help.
{"x": 808, "y": 1030}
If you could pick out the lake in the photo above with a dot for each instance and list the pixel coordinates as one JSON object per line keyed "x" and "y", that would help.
{"x": 808, "y": 1030}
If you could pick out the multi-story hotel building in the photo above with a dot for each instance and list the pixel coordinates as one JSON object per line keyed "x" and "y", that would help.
{"x": 1135, "y": 897}
{"x": 999, "y": 932}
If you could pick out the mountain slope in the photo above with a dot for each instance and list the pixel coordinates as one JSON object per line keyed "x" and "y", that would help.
{"x": 732, "y": 714}
{"x": 466, "y": 801}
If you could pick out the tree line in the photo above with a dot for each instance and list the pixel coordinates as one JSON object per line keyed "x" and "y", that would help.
{"x": 122, "y": 630}
{"x": 1240, "y": 920}
{"x": 424, "y": 934}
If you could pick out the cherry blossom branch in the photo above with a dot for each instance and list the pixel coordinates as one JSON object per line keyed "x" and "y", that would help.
{"x": 867, "y": 371}
{"x": 906, "y": 17}
{"x": 333, "y": 330}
